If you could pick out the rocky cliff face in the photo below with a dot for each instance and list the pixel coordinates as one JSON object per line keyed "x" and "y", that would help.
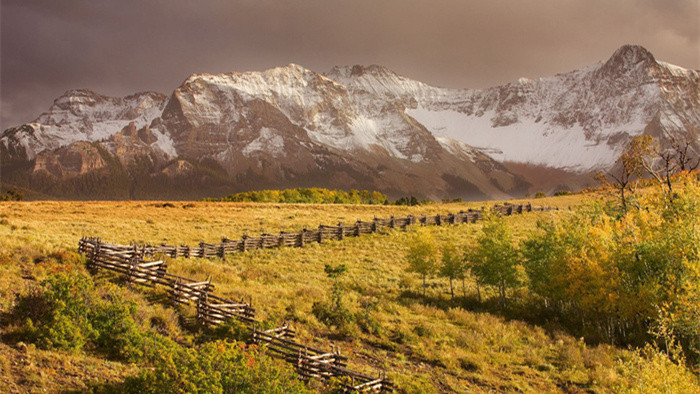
{"x": 358, "y": 127}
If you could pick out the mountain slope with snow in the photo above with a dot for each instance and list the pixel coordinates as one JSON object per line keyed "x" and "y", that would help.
{"x": 83, "y": 115}
{"x": 578, "y": 121}
{"x": 356, "y": 127}
{"x": 291, "y": 123}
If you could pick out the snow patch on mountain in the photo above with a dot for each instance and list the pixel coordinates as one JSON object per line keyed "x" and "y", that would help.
{"x": 268, "y": 141}
{"x": 165, "y": 143}
{"x": 524, "y": 141}
{"x": 458, "y": 148}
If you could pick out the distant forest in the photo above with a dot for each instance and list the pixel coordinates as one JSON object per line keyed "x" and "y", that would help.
{"x": 312, "y": 195}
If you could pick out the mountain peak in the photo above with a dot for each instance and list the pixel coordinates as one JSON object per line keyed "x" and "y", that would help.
{"x": 77, "y": 93}
{"x": 358, "y": 70}
{"x": 629, "y": 56}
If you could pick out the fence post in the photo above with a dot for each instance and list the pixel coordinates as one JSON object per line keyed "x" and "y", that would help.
{"x": 222, "y": 251}
{"x": 320, "y": 233}
{"x": 342, "y": 231}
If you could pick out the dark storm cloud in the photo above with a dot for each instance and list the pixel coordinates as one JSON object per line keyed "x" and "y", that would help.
{"x": 119, "y": 47}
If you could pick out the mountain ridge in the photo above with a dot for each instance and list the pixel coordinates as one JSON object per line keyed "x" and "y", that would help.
{"x": 363, "y": 127}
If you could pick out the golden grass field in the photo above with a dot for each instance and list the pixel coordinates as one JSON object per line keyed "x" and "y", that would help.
{"x": 439, "y": 345}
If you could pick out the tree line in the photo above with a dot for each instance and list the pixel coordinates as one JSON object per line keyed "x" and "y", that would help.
{"x": 313, "y": 195}
{"x": 317, "y": 195}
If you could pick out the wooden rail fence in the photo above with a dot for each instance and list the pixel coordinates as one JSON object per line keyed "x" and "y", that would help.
{"x": 325, "y": 232}
{"x": 212, "y": 310}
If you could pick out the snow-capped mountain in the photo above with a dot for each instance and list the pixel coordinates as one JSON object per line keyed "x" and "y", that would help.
{"x": 578, "y": 121}
{"x": 83, "y": 115}
{"x": 354, "y": 127}
{"x": 290, "y": 125}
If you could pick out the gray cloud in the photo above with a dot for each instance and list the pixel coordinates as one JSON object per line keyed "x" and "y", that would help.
{"x": 120, "y": 47}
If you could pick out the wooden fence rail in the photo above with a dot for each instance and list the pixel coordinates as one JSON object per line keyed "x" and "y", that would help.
{"x": 322, "y": 233}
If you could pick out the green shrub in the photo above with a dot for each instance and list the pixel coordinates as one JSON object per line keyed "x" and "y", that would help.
{"x": 55, "y": 312}
{"x": 366, "y": 320}
{"x": 65, "y": 311}
{"x": 230, "y": 330}
{"x": 650, "y": 370}
{"x": 117, "y": 334}
{"x": 215, "y": 367}
{"x": 332, "y": 314}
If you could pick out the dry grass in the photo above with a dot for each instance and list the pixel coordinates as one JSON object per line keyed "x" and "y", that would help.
{"x": 26, "y": 369}
{"x": 441, "y": 346}
{"x": 57, "y": 224}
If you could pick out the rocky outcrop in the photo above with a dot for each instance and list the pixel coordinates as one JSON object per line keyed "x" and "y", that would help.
{"x": 79, "y": 158}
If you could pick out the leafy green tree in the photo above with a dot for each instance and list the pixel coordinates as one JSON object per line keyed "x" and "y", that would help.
{"x": 422, "y": 255}
{"x": 410, "y": 201}
{"x": 452, "y": 265}
{"x": 494, "y": 259}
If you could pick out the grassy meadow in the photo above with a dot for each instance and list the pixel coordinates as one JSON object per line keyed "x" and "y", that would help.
{"x": 431, "y": 344}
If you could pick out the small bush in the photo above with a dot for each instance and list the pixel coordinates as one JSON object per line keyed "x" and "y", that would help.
{"x": 332, "y": 314}
{"x": 66, "y": 312}
{"x": 366, "y": 320}
{"x": 231, "y": 330}
{"x": 651, "y": 371}
{"x": 215, "y": 367}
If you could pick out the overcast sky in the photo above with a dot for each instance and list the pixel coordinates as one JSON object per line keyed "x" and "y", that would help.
{"x": 123, "y": 46}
